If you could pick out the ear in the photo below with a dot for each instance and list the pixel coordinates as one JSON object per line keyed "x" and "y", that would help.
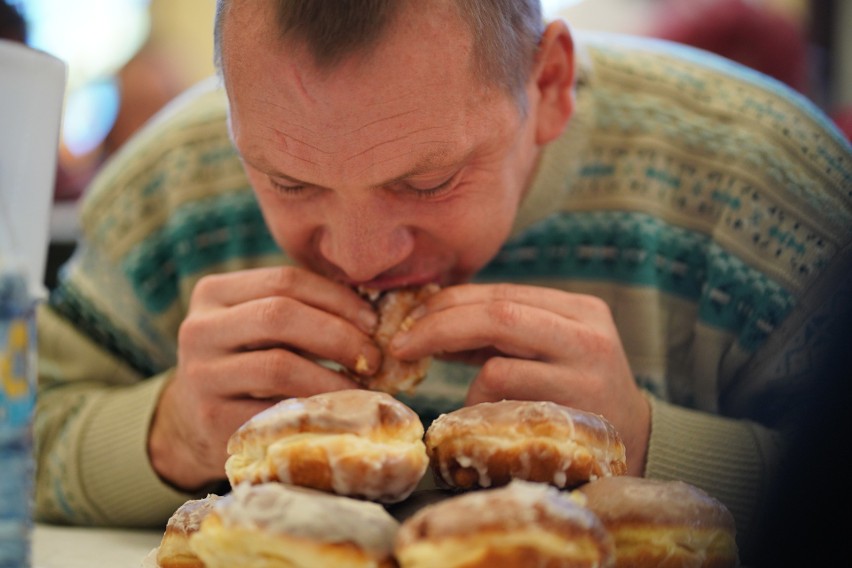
{"x": 553, "y": 82}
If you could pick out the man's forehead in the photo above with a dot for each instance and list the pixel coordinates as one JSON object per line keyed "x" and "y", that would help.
{"x": 381, "y": 153}
{"x": 411, "y": 104}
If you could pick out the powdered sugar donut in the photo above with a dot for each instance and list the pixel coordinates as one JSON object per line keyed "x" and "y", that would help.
{"x": 272, "y": 525}
{"x": 657, "y": 523}
{"x": 521, "y": 524}
{"x": 491, "y": 443}
{"x": 358, "y": 443}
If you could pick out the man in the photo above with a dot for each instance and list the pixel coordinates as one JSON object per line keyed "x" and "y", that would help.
{"x": 603, "y": 214}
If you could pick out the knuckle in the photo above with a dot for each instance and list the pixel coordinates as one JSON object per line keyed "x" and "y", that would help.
{"x": 273, "y": 366}
{"x": 272, "y": 312}
{"x": 596, "y": 304}
{"x": 189, "y": 332}
{"x": 504, "y": 313}
{"x": 205, "y": 284}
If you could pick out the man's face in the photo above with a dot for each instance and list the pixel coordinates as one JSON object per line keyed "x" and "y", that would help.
{"x": 394, "y": 168}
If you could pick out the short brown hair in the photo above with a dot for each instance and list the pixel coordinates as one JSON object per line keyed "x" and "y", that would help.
{"x": 506, "y": 33}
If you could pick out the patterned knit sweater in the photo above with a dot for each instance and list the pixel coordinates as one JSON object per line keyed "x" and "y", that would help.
{"x": 709, "y": 206}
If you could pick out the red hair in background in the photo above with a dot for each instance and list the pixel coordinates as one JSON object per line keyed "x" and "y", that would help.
{"x": 750, "y": 32}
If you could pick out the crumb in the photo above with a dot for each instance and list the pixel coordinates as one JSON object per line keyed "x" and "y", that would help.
{"x": 406, "y": 323}
{"x": 361, "y": 365}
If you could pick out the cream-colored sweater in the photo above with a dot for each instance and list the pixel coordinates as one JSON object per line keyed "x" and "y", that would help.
{"x": 707, "y": 205}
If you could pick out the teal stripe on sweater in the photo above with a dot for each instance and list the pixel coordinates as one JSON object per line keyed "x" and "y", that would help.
{"x": 77, "y": 309}
{"x": 638, "y": 249}
{"x": 198, "y": 236}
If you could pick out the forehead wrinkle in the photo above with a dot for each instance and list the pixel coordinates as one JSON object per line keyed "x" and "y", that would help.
{"x": 286, "y": 111}
{"x": 391, "y": 141}
{"x": 429, "y": 161}
{"x": 380, "y": 120}
{"x": 278, "y": 140}
{"x": 282, "y": 138}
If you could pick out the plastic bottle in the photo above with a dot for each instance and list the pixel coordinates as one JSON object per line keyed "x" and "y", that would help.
{"x": 17, "y": 403}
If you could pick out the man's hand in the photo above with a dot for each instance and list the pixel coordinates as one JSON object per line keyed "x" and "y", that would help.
{"x": 250, "y": 339}
{"x": 535, "y": 344}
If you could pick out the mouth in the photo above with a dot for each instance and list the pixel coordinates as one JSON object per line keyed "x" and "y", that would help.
{"x": 392, "y": 282}
{"x": 440, "y": 273}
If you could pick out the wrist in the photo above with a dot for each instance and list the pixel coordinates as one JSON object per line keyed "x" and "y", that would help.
{"x": 167, "y": 454}
{"x": 637, "y": 445}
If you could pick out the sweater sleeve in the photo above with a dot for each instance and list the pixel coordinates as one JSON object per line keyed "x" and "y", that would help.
{"x": 107, "y": 334}
{"x": 730, "y": 459}
{"x": 92, "y": 465}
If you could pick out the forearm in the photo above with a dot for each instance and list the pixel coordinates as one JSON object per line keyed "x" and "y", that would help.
{"x": 93, "y": 467}
{"x": 91, "y": 428}
{"x": 733, "y": 460}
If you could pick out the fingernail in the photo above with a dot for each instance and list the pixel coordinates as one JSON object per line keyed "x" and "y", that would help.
{"x": 361, "y": 365}
{"x": 368, "y": 320}
{"x": 418, "y": 312}
{"x": 400, "y": 340}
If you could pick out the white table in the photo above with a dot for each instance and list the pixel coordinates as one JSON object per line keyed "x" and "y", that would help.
{"x": 85, "y": 547}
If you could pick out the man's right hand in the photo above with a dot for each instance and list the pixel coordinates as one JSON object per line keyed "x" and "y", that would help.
{"x": 250, "y": 339}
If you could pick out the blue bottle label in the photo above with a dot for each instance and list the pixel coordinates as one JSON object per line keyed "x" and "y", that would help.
{"x": 17, "y": 402}
{"x": 17, "y": 389}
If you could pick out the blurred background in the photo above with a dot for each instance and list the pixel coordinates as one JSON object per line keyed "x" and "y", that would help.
{"x": 128, "y": 58}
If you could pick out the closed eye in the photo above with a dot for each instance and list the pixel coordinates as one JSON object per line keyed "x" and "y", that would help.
{"x": 290, "y": 189}
{"x": 433, "y": 191}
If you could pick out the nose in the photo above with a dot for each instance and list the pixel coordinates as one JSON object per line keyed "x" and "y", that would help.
{"x": 363, "y": 244}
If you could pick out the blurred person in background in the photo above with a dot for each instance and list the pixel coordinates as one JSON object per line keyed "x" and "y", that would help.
{"x": 146, "y": 82}
{"x": 758, "y": 34}
{"x": 755, "y": 33}
{"x": 13, "y": 27}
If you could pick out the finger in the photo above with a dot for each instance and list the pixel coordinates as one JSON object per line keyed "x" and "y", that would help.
{"x": 277, "y": 321}
{"x": 506, "y": 378}
{"x": 269, "y": 375}
{"x": 234, "y": 288}
{"x": 513, "y": 329}
{"x": 579, "y": 307}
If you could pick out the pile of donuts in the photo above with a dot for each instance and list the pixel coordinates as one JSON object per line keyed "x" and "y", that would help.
{"x": 331, "y": 480}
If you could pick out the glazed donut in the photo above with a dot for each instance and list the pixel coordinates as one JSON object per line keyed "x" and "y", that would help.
{"x": 393, "y": 308}
{"x": 358, "y": 443}
{"x": 174, "y": 551}
{"x": 663, "y": 524}
{"x": 491, "y": 443}
{"x": 521, "y": 524}
{"x": 272, "y": 525}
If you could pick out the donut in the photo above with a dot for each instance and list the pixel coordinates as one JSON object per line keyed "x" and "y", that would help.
{"x": 518, "y": 525}
{"x": 273, "y": 525}
{"x": 358, "y": 443}
{"x": 174, "y": 551}
{"x": 393, "y": 308}
{"x": 663, "y": 524}
{"x": 150, "y": 560}
{"x": 490, "y": 443}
